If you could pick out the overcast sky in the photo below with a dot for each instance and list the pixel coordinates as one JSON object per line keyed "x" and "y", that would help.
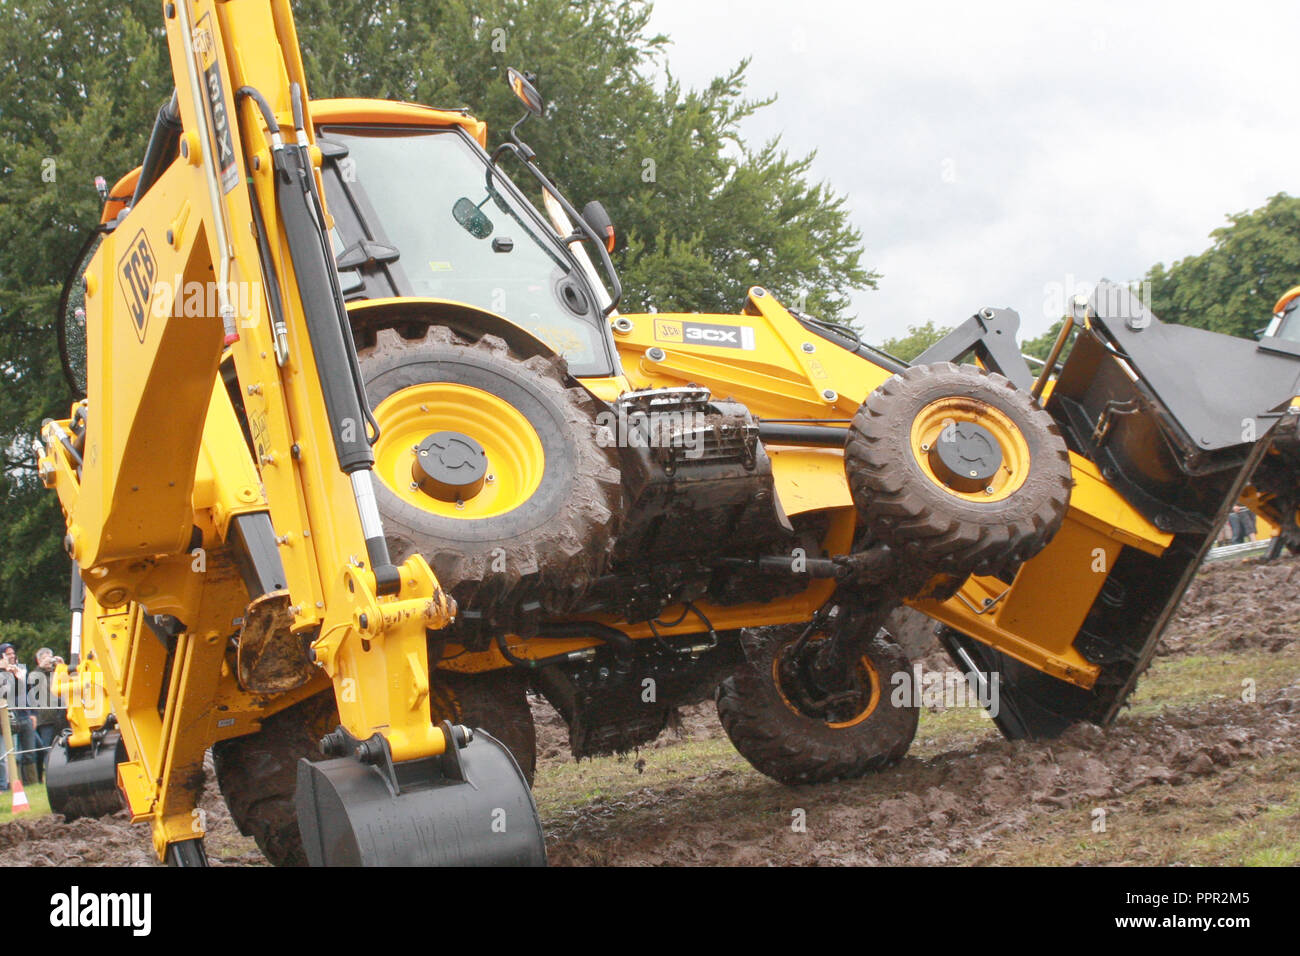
{"x": 992, "y": 151}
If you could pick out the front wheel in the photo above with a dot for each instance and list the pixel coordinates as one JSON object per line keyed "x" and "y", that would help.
{"x": 790, "y": 730}
{"x": 494, "y": 469}
{"x": 957, "y": 470}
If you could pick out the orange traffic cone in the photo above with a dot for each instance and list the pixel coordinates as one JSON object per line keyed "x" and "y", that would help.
{"x": 20, "y": 796}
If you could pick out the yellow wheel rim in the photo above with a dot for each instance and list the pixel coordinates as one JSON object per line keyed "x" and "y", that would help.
{"x": 928, "y": 428}
{"x": 515, "y": 459}
{"x": 867, "y": 675}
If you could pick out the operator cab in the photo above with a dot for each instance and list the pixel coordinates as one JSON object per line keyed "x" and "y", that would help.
{"x": 425, "y": 212}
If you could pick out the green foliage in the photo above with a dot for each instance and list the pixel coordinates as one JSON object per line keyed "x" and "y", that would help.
{"x": 26, "y": 636}
{"x": 1233, "y": 285}
{"x": 1041, "y": 347}
{"x": 917, "y": 340}
{"x": 701, "y": 214}
{"x": 73, "y": 107}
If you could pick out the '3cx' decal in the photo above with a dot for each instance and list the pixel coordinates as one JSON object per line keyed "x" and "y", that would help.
{"x": 218, "y": 115}
{"x": 705, "y": 333}
{"x": 136, "y": 271}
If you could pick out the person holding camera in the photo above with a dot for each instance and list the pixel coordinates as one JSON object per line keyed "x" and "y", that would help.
{"x": 23, "y": 720}
{"x": 50, "y": 720}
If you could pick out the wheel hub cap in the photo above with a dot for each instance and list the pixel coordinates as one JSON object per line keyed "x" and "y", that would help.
{"x": 450, "y": 466}
{"x": 966, "y": 456}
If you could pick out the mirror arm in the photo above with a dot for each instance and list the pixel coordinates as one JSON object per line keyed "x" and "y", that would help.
{"x": 616, "y": 293}
{"x": 526, "y": 150}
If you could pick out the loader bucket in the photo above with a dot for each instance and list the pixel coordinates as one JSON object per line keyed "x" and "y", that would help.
{"x": 1177, "y": 420}
{"x": 82, "y": 781}
{"x": 471, "y": 807}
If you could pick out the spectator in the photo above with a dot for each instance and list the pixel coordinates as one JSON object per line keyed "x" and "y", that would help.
{"x": 50, "y": 720}
{"x": 1243, "y": 525}
{"x": 8, "y": 692}
{"x": 22, "y": 717}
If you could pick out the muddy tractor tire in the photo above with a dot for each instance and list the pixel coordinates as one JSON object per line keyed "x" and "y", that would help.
{"x": 957, "y": 470}
{"x": 765, "y": 712}
{"x": 493, "y": 468}
{"x": 496, "y": 702}
{"x": 258, "y": 775}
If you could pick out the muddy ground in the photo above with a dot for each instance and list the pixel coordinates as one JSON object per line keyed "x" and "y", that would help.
{"x": 1201, "y": 769}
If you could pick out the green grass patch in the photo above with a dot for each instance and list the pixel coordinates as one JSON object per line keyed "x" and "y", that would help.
{"x": 36, "y": 797}
{"x": 1177, "y": 681}
{"x": 1247, "y": 817}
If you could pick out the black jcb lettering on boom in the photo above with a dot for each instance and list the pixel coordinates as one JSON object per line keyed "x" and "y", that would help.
{"x": 137, "y": 270}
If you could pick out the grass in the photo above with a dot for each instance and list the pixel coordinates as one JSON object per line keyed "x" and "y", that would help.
{"x": 1200, "y": 678}
{"x": 1249, "y": 817}
{"x": 40, "y": 803}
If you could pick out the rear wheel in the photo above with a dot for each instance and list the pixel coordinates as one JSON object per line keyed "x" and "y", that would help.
{"x": 490, "y": 466}
{"x": 258, "y": 775}
{"x": 957, "y": 470}
{"x": 497, "y": 702}
{"x": 786, "y": 728}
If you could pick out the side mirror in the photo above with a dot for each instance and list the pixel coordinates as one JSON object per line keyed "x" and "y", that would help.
{"x": 471, "y": 218}
{"x": 597, "y": 218}
{"x": 521, "y": 85}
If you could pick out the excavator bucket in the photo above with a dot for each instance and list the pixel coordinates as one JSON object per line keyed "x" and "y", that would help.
{"x": 82, "y": 781}
{"x": 470, "y": 806}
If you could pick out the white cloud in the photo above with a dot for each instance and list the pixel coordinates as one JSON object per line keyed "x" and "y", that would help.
{"x": 1088, "y": 139}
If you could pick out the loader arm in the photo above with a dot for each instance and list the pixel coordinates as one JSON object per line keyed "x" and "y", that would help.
{"x": 220, "y": 508}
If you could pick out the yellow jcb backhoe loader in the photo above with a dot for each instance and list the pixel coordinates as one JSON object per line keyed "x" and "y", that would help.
{"x": 366, "y": 452}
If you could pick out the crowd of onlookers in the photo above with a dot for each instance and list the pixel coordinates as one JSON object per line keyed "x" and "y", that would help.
{"x": 36, "y": 717}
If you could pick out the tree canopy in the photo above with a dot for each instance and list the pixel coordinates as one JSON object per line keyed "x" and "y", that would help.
{"x": 1232, "y": 286}
{"x": 917, "y": 340}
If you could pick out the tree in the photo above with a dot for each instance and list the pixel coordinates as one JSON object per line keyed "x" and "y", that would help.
{"x": 917, "y": 340}
{"x": 74, "y": 108}
{"x": 702, "y": 214}
{"x": 1232, "y": 286}
{"x": 1041, "y": 346}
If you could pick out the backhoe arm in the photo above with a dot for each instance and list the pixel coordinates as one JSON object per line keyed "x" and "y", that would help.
{"x": 224, "y": 480}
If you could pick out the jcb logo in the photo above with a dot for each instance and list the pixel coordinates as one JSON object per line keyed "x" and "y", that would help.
{"x": 136, "y": 271}
{"x": 668, "y": 331}
{"x": 704, "y": 333}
